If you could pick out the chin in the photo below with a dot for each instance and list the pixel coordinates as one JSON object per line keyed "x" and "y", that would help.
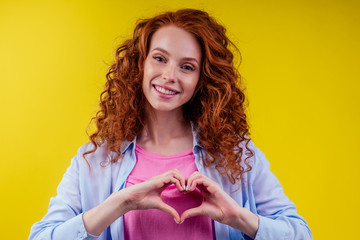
{"x": 164, "y": 108}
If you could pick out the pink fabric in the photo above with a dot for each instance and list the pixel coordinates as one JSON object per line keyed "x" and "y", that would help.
{"x": 155, "y": 224}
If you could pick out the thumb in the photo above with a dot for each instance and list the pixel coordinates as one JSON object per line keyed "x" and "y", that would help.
{"x": 191, "y": 213}
{"x": 169, "y": 210}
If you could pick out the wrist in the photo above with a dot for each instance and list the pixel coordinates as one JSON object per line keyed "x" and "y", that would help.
{"x": 247, "y": 222}
{"x": 121, "y": 201}
{"x": 97, "y": 219}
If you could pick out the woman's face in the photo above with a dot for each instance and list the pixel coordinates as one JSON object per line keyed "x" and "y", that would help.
{"x": 171, "y": 68}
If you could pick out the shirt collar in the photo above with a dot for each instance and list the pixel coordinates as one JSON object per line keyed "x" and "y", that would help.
{"x": 195, "y": 130}
{"x": 196, "y": 145}
{"x": 127, "y": 145}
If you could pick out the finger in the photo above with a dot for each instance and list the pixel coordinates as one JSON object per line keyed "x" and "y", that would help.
{"x": 178, "y": 175}
{"x": 194, "y": 175}
{"x": 191, "y": 178}
{"x": 177, "y": 183}
{"x": 194, "y": 184}
{"x": 191, "y": 213}
{"x": 179, "y": 186}
{"x": 169, "y": 210}
{"x": 167, "y": 181}
{"x": 175, "y": 174}
{"x": 201, "y": 182}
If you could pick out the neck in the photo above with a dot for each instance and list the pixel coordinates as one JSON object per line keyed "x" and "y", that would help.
{"x": 163, "y": 126}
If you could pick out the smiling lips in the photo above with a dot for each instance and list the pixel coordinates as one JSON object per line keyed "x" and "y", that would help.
{"x": 165, "y": 91}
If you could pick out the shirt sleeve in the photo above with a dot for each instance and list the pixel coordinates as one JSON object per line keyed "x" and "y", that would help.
{"x": 64, "y": 217}
{"x": 278, "y": 218}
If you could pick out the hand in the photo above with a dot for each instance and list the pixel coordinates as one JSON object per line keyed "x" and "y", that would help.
{"x": 219, "y": 206}
{"x": 147, "y": 195}
{"x": 144, "y": 195}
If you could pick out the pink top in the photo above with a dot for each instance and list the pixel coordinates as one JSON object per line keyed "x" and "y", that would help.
{"x": 155, "y": 224}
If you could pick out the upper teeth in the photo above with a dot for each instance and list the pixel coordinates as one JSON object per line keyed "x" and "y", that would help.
{"x": 165, "y": 91}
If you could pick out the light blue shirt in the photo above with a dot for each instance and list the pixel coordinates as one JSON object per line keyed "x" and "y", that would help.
{"x": 81, "y": 190}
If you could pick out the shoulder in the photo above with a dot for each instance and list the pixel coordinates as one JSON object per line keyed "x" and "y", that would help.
{"x": 99, "y": 152}
{"x": 93, "y": 159}
{"x": 249, "y": 151}
{"x": 254, "y": 157}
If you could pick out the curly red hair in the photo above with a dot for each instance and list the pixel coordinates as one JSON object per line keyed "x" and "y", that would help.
{"x": 217, "y": 107}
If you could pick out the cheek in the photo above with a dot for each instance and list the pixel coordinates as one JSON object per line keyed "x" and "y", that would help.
{"x": 194, "y": 83}
{"x": 147, "y": 74}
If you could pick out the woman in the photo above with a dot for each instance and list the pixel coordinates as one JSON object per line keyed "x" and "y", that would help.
{"x": 171, "y": 142}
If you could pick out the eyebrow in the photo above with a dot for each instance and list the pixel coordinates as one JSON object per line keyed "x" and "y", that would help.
{"x": 166, "y": 52}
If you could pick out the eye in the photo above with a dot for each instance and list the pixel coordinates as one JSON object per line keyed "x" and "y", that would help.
{"x": 159, "y": 59}
{"x": 188, "y": 68}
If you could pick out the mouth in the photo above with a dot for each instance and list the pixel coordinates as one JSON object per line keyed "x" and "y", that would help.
{"x": 164, "y": 90}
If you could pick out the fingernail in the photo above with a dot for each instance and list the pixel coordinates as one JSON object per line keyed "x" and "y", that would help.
{"x": 184, "y": 187}
{"x": 176, "y": 221}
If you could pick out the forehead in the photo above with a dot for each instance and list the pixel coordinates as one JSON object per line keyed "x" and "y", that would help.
{"x": 176, "y": 41}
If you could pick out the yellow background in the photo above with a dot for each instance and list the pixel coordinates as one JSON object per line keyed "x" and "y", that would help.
{"x": 300, "y": 64}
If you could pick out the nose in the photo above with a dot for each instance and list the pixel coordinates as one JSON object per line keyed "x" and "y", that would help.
{"x": 169, "y": 73}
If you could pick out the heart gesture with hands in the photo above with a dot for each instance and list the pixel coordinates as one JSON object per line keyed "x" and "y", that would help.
{"x": 219, "y": 206}
{"x": 147, "y": 195}
{"x": 216, "y": 204}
